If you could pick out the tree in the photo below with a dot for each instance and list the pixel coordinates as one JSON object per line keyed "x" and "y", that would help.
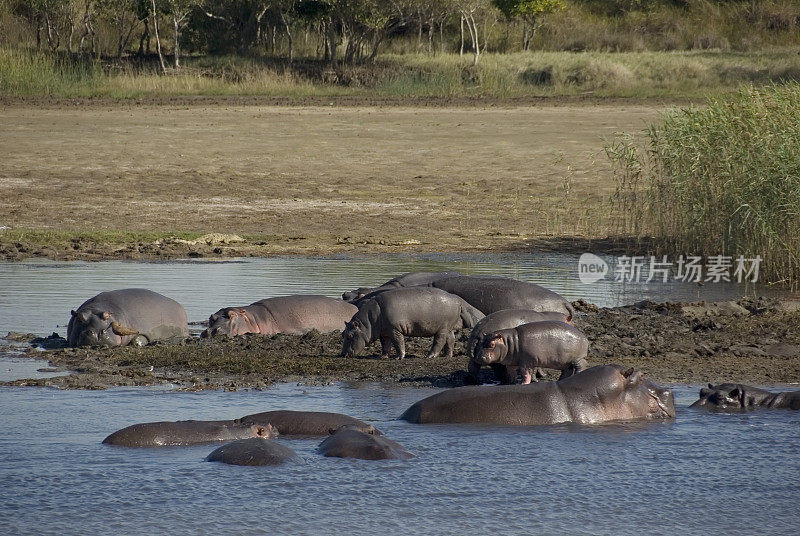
{"x": 529, "y": 11}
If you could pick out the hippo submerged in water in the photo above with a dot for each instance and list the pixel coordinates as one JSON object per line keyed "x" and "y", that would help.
{"x": 548, "y": 344}
{"x": 128, "y": 316}
{"x": 183, "y": 433}
{"x": 293, "y": 315}
{"x": 408, "y": 312}
{"x": 596, "y": 395}
{"x": 254, "y": 452}
{"x": 306, "y": 423}
{"x": 739, "y": 397}
{"x": 349, "y": 442}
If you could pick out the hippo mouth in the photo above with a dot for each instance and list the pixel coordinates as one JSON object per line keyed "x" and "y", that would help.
{"x": 664, "y": 411}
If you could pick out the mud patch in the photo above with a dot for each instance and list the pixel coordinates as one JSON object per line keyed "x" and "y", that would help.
{"x": 760, "y": 347}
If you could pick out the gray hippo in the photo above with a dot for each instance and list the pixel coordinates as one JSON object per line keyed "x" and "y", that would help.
{"x": 490, "y": 294}
{"x": 504, "y": 319}
{"x": 596, "y": 395}
{"x": 254, "y": 451}
{"x": 348, "y": 442}
{"x": 293, "y": 315}
{"x": 408, "y": 312}
{"x": 129, "y": 316}
{"x": 305, "y": 423}
{"x": 548, "y": 344}
{"x": 182, "y": 433}
{"x": 410, "y": 279}
{"x": 739, "y": 397}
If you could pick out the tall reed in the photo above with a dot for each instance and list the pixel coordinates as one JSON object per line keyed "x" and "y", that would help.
{"x": 723, "y": 179}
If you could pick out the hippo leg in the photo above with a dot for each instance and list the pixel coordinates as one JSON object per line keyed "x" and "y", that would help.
{"x": 386, "y": 346}
{"x": 473, "y": 373}
{"x": 439, "y": 342}
{"x": 450, "y": 344}
{"x": 504, "y": 374}
{"x": 527, "y": 376}
{"x": 399, "y": 343}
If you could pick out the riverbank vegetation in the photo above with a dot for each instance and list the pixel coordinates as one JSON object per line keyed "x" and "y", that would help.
{"x": 721, "y": 179}
{"x": 399, "y": 48}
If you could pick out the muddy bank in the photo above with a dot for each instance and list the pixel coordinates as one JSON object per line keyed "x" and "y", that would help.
{"x": 755, "y": 341}
{"x": 222, "y": 246}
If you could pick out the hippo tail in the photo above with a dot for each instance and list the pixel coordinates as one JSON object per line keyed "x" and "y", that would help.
{"x": 470, "y": 315}
{"x": 570, "y": 312}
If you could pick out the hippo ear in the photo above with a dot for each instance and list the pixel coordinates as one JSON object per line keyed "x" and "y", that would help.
{"x": 712, "y": 387}
{"x": 232, "y": 313}
{"x": 738, "y": 395}
{"x": 635, "y": 377}
{"x": 73, "y": 313}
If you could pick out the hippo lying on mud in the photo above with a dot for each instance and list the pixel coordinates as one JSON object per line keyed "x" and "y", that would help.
{"x": 293, "y": 315}
{"x": 128, "y": 316}
{"x": 254, "y": 451}
{"x": 596, "y": 395}
{"x": 490, "y": 294}
{"x": 548, "y": 344}
{"x": 410, "y": 279}
{"x": 183, "y": 433}
{"x": 739, "y": 397}
{"x": 408, "y": 312}
{"x": 306, "y": 423}
{"x": 349, "y": 442}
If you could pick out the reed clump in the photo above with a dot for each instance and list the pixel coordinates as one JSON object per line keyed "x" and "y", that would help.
{"x": 722, "y": 179}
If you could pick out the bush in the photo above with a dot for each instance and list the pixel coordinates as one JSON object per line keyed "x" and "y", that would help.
{"x": 723, "y": 179}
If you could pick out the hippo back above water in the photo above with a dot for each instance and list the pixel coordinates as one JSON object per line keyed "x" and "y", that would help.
{"x": 490, "y": 294}
{"x": 596, "y": 395}
{"x": 293, "y": 315}
{"x": 183, "y": 433}
{"x": 127, "y": 316}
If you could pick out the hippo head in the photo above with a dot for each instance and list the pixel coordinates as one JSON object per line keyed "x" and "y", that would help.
{"x": 729, "y": 397}
{"x": 492, "y": 349}
{"x": 357, "y": 294}
{"x": 626, "y": 394}
{"x": 230, "y": 322}
{"x": 354, "y": 338}
{"x": 96, "y": 328}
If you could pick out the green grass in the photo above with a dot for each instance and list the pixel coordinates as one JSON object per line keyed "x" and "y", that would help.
{"x": 497, "y": 76}
{"x": 719, "y": 179}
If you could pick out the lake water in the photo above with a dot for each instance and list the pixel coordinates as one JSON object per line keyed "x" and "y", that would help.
{"x": 703, "y": 472}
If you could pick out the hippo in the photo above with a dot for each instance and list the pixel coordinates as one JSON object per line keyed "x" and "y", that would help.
{"x": 410, "y": 279}
{"x": 349, "y": 442}
{"x": 128, "y": 316}
{"x": 413, "y": 312}
{"x": 596, "y": 395}
{"x": 293, "y": 315}
{"x": 490, "y": 294}
{"x": 548, "y": 344}
{"x": 739, "y": 397}
{"x": 182, "y": 433}
{"x": 305, "y": 423}
{"x": 254, "y": 451}
{"x": 504, "y": 319}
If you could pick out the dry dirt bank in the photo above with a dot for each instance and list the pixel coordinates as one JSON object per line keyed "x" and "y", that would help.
{"x": 303, "y": 179}
{"x": 749, "y": 341}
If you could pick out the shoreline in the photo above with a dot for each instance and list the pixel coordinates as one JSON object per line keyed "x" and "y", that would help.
{"x": 751, "y": 341}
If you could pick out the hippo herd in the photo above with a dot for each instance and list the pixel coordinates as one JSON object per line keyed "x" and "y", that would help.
{"x": 516, "y": 329}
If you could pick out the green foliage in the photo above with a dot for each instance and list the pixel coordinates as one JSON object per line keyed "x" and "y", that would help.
{"x": 527, "y": 10}
{"x": 720, "y": 179}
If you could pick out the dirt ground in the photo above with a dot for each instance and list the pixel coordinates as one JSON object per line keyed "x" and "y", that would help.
{"x": 752, "y": 341}
{"x": 305, "y": 179}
